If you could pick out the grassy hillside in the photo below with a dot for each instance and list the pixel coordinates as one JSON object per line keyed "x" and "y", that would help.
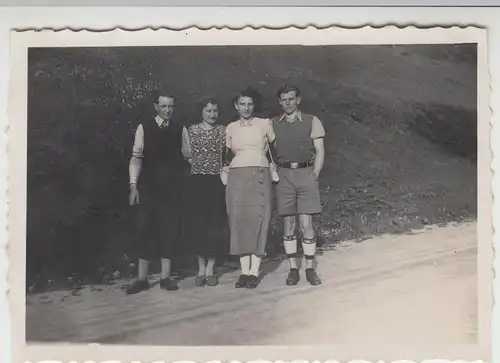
{"x": 400, "y": 123}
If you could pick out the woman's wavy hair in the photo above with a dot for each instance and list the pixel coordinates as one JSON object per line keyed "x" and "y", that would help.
{"x": 254, "y": 94}
{"x": 205, "y": 100}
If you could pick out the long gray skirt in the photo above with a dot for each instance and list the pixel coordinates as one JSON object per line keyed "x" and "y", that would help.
{"x": 248, "y": 203}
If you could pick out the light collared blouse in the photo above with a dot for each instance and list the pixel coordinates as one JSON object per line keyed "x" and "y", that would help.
{"x": 248, "y": 141}
{"x": 317, "y": 129}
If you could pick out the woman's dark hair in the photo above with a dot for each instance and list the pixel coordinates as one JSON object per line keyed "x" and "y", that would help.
{"x": 253, "y": 94}
{"x": 204, "y": 101}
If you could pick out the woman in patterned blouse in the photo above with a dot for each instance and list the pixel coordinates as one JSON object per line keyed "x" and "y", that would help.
{"x": 202, "y": 145}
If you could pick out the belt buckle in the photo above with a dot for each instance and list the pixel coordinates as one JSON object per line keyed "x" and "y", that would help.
{"x": 294, "y": 165}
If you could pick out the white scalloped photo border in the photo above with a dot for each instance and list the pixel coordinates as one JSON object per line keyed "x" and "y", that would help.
{"x": 389, "y": 34}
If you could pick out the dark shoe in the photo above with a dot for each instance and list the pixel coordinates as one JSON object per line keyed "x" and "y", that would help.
{"x": 212, "y": 280}
{"x": 253, "y": 282}
{"x": 137, "y": 286}
{"x": 312, "y": 277}
{"x": 293, "y": 277}
{"x": 168, "y": 284}
{"x": 242, "y": 281}
{"x": 200, "y": 280}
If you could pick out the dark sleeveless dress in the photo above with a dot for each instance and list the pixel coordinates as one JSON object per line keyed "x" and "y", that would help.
{"x": 206, "y": 229}
{"x": 160, "y": 191}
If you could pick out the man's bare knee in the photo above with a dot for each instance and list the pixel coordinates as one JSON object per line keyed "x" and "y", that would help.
{"x": 306, "y": 226}
{"x": 289, "y": 225}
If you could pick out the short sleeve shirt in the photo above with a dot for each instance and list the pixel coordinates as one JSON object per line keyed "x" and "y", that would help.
{"x": 206, "y": 149}
{"x": 248, "y": 141}
{"x": 317, "y": 129}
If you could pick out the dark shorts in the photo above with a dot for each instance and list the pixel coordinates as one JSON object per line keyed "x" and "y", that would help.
{"x": 297, "y": 192}
{"x": 159, "y": 213}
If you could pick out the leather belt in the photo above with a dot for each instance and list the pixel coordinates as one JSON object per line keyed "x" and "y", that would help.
{"x": 295, "y": 165}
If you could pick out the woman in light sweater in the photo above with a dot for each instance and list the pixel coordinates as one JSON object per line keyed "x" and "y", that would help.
{"x": 248, "y": 191}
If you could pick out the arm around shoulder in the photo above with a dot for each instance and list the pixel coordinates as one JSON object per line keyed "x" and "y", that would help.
{"x": 271, "y": 137}
{"x": 227, "y": 135}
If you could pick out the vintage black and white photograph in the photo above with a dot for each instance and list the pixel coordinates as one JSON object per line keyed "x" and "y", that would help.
{"x": 254, "y": 194}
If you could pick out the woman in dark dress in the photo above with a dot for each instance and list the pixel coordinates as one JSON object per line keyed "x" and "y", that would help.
{"x": 206, "y": 220}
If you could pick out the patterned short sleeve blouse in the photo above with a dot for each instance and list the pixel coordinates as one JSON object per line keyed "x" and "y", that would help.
{"x": 206, "y": 147}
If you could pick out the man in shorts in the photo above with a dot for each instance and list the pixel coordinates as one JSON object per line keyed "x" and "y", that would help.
{"x": 156, "y": 170}
{"x": 300, "y": 155}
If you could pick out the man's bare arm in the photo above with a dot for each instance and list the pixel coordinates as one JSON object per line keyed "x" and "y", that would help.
{"x": 319, "y": 146}
{"x": 135, "y": 167}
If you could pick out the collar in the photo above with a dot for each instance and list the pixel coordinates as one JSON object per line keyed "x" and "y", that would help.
{"x": 161, "y": 122}
{"x": 296, "y": 116}
{"x": 246, "y": 120}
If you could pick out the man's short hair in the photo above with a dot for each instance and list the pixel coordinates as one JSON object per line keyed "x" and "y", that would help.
{"x": 288, "y": 88}
{"x": 156, "y": 94}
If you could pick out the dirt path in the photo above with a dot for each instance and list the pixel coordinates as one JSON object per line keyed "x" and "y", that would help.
{"x": 416, "y": 288}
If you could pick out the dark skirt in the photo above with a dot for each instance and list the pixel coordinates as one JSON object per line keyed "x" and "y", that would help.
{"x": 159, "y": 218}
{"x": 206, "y": 225}
{"x": 248, "y": 200}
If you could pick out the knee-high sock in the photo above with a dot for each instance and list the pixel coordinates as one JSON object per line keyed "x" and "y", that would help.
{"x": 309, "y": 247}
{"x": 290, "y": 244}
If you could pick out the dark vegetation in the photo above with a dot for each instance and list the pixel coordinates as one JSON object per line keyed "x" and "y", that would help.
{"x": 401, "y": 138}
